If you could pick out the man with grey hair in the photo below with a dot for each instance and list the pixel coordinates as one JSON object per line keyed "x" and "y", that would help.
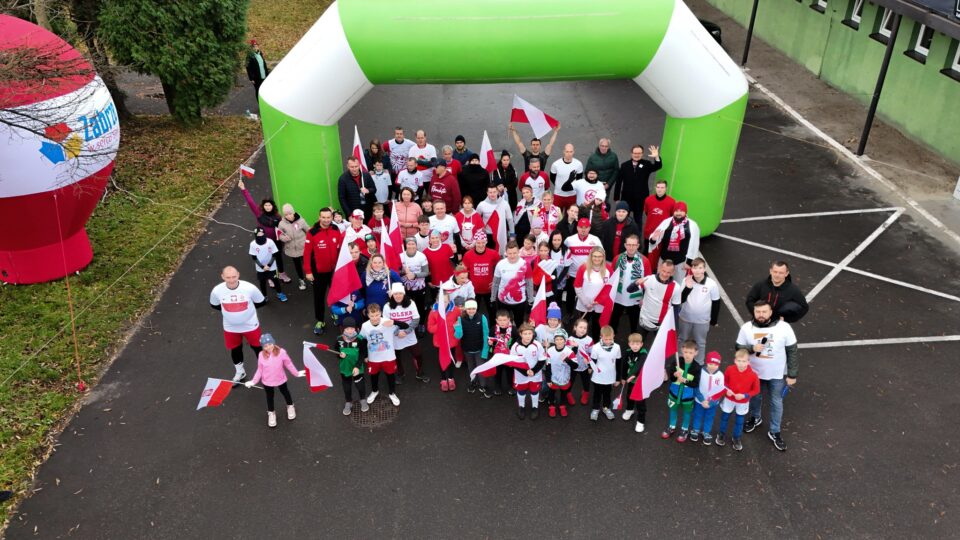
{"x": 605, "y": 162}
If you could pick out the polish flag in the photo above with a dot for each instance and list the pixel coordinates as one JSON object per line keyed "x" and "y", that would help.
{"x": 618, "y": 401}
{"x": 664, "y": 346}
{"x": 317, "y": 377}
{"x": 500, "y": 359}
{"x": 498, "y": 230}
{"x": 538, "y": 313}
{"x": 526, "y": 113}
{"x": 247, "y": 172}
{"x": 606, "y": 296}
{"x": 445, "y": 358}
{"x": 345, "y": 277}
{"x": 487, "y": 161}
{"x": 214, "y": 393}
{"x": 391, "y": 242}
{"x": 358, "y": 150}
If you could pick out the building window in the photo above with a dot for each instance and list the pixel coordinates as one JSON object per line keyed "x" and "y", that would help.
{"x": 854, "y": 14}
{"x": 922, "y": 37}
{"x": 884, "y": 26}
{"x": 819, "y": 5}
{"x": 952, "y": 69}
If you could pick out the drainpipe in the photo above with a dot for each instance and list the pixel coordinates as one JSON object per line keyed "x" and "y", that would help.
{"x": 746, "y": 46}
{"x": 891, "y": 41}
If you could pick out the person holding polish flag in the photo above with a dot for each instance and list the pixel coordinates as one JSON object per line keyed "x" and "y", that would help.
{"x": 592, "y": 280}
{"x": 270, "y": 370}
{"x": 497, "y": 218}
{"x": 346, "y": 279}
{"x": 391, "y": 241}
{"x": 541, "y": 123}
{"x": 487, "y": 159}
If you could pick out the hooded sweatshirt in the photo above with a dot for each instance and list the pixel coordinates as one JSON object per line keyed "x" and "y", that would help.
{"x": 786, "y": 300}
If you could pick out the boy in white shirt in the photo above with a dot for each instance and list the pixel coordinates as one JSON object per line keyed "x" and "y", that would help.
{"x": 381, "y": 353}
{"x": 708, "y": 396}
{"x": 264, "y": 253}
{"x": 700, "y": 307}
{"x": 603, "y": 362}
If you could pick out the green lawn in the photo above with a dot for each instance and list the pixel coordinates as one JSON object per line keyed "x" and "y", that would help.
{"x": 157, "y": 160}
{"x": 277, "y": 25}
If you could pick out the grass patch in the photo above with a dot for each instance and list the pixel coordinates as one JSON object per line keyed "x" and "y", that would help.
{"x": 158, "y": 160}
{"x": 277, "y": 25}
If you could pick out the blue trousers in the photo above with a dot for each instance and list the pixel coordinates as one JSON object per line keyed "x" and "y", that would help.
{"x": 737, "y": 424}
{"x": 703, "y": 418}
{"x": 774, "y": 391}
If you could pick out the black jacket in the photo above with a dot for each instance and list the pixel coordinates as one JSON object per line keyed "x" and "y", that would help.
{"x": 608, "y": 233}
{"x": 253, "y": 70}
{"x": 349, "y": 192}
{"x": 474, "y": 181}
{"x": 566, "y": 228}
{"x": 787, "y": 300}
{"x": 633, "y": 183}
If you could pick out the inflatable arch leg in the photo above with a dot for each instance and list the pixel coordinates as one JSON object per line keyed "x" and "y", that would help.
{"x": 667, "y": 52}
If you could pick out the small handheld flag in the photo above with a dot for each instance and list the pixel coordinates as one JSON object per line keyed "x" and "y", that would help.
{"x": 247, "y": 172}
{"x": 214, "y": 393}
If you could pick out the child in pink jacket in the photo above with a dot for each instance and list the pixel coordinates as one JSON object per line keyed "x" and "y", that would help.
{"x": 270, "y": 365}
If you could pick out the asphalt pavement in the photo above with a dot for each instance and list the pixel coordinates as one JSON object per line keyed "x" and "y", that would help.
{"x": 870, "y": 452}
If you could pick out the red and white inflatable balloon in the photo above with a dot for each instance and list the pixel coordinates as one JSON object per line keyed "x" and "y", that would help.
{"x": 58, "y": 142}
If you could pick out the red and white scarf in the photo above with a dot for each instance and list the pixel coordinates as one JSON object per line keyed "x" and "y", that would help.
{"x": 677, "y": 234}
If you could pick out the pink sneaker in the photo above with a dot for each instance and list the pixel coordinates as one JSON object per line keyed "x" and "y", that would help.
{"x": 444, "y": 386}
{"x": 452, "y": 384}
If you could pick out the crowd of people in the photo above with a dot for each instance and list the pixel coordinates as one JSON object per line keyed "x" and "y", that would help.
{"x": 477, "y": 247}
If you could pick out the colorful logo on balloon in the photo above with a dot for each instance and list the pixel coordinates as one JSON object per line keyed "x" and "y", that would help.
{"x": 67, "y": 144}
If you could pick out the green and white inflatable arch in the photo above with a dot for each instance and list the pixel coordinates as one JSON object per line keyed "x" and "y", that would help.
{"x": 659, "y": 44}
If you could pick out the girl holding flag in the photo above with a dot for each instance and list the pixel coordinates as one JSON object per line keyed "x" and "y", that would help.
{"x": 270, "y": 370}
{"x": 442, "y": 328}
{"x": 405, "y": 315}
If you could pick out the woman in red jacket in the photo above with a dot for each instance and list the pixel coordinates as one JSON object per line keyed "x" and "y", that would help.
{"x": 434, "y": 326}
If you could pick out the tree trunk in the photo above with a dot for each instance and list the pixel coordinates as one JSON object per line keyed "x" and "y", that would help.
{"x": 85, "y": 15}
{"x": 40, "y": 13}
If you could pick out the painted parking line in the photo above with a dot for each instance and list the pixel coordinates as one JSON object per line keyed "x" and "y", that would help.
{"x": 723, "y": 293}
{"x": 843, "y": 150}
{"x": 833, "y": 264}
{"x": 813, "y": 214}
{"x": 872, "y": 342}
{"x": 835, "y": 271}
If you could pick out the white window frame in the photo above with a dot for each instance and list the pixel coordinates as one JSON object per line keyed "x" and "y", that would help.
{"x": 857, "y": 13}
{"x": 822, "y": 3}
{"x": 956, "y": 60}
{"x": 887, "y": 17}
{"x": 918, "y": 46}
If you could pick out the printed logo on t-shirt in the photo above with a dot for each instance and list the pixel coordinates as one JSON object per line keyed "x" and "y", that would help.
{"x": 235, "y": 303}
{"x": 376, "y": 342}
{"x": 590, "y": 195}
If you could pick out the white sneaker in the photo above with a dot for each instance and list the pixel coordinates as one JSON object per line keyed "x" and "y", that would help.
{"x": 302, "y": 286}
{"x": 639, "y": 428}
{"x": 347, "y": 408}
{"x": 364, "y": 407}
{"x": 394, "y": 399}
{"x": 291, "y": 412}
{"x": 239, "y": 376}
{"x": 608, "y": 413}
{"x": 628, "y": 414}
{"x": 372, "y": 396}
{"x": 271, "y": 419}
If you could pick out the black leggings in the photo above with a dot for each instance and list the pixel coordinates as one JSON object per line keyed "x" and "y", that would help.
{"x": 262, "y": 277}
{"x": 484, "y": 301}
{"x": 298, "y": 266}
{"x": 570, "y": 304}
{"x": 601, "y": 396}
{"x": 391, "y": 382}
{"x": 283, "y": 390}
{"x": 236, "y": 354}
{"x": 517, "y": 311}
{"x": 633, "y": 316}
{"x": 448, "y": 373}
{"x": 321, "y": 282}
{"x": 419, "y": 299}
{"x": 279, "y": 255}
{"x": 584, "y": 380}
{"x": 348, "y": 383}
{"x": 414, "y": 352}
{"x": 558, "y": 396}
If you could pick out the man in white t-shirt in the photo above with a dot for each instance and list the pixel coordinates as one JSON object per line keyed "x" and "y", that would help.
{"x": 700, "y": 307}
{"x": 660, "y": 293}
{"x": 446, "y": 224}
{"x": 536, "y": 179}
{"x": 773, "y": 356}
{"x": 399, "y": 150}
{"x": 426, "y": 156}
{"x": 410, "y": 178}
{"x": 563, "y": 170}
{"x": 238, "y": 302}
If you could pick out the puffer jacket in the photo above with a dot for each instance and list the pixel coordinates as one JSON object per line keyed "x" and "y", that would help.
{"x": 294, "y": 235}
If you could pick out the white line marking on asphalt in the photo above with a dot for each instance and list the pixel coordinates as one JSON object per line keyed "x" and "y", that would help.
{"x": 832, "y": 265}
{"x": 723, "y": 294}
{"x": 853, "y": 255}
{"x": 813, "y": 214}
{"x": 871, "y": 342}
{"x": 852, "y": 157}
